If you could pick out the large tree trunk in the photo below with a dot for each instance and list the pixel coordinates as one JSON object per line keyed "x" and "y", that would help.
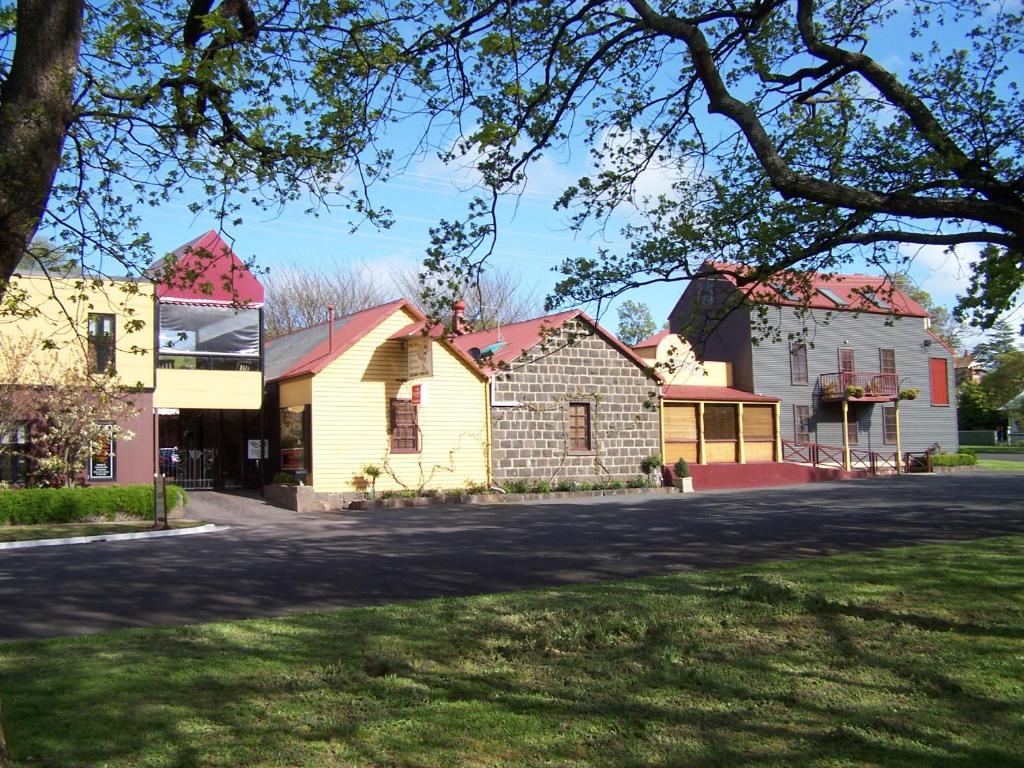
{"x": 35, "y": 111}
{"x": 4, "y": 761}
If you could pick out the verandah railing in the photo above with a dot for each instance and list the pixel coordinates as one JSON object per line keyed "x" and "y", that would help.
{"x": 831, "y": 456}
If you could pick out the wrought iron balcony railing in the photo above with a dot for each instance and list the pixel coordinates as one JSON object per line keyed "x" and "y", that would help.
{"x": 865, "y": 386}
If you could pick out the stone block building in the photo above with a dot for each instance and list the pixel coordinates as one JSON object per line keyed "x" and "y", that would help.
{"x": 568, "y": 401}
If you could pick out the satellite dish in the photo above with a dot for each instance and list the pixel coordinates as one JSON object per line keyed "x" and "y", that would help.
{"x": 474, "y": 352}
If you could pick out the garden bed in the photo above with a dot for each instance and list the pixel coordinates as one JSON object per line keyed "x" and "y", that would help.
{"x": 498, "y": 498}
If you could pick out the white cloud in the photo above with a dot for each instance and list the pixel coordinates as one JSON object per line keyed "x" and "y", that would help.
{"x": 944, "y": 273}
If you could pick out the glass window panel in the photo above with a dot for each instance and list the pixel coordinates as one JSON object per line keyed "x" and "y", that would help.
{"x": 720, "y": 422}
{"x": 187, "y": 329}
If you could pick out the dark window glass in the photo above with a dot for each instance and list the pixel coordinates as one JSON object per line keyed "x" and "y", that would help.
{"x": 846, "y": 362}
{"x": 852, "y": 426}
{"x": 101, "y": 343}
{"x": 294, "y": 439}
{"x": 887, "y": 361}
{"x": 186, "y": 329}
{"x": 889, "y": 424}
{"x": 720, "y": 422}
{"x": 579, "y": 427}
{"x": 405, "y": 432}
{"x": 798, "y": 363}
{"x": 13, "y": 455}
{"x": 802, "y": 423}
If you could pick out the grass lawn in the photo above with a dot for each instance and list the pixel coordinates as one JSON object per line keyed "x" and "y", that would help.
{"x": 906, "y": 657}
{"x": 996, "y": 465}
{"x": 65, "y": 530}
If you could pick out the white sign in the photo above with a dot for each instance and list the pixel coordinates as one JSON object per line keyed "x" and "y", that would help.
{"x": 419, "y": 351}
{"x": 258, "y": 449}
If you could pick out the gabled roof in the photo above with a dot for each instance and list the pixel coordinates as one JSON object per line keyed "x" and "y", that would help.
{"x": 653, "y": 341}
{"x": 207, "y": 270}
{"x": 852, "y": 291}
{"x": 516, "y": 338}
{"x": 309, "y": 350}
{"x": 719, "y": 394}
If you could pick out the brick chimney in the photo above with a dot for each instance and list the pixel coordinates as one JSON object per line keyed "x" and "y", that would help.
{"x": 330, "y": 328}
{"x": 459, "y": 326}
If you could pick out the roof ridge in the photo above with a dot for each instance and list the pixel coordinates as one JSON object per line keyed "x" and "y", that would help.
{"x": 336, "y": 319}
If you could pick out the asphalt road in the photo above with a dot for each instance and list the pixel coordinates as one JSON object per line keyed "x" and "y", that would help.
{"x": 273, "y": 562}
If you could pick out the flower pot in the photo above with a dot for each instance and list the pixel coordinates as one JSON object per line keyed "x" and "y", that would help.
{"x": 684, "y": 484}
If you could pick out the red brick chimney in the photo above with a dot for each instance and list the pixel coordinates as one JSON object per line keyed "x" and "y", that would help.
{"x": 459, "y": 326}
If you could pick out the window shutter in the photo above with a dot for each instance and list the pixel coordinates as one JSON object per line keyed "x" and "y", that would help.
{"x": 405, "y": 433}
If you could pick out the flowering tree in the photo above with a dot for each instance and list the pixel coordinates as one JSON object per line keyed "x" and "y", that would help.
{"x": 69, "y": 412}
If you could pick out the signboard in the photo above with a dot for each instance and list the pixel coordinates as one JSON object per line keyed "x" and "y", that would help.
{"x": 258, "y": 449}
{"x": 292, "y": 459}
{"x": 420, "y": 360}
{"x": 101, "y": 460}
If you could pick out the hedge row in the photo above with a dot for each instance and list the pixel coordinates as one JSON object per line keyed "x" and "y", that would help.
{"x": 954, "y": 460}
{"x": 35, "y": 506}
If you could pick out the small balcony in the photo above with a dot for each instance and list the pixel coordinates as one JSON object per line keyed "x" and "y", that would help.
{"x": 859, "y": 386}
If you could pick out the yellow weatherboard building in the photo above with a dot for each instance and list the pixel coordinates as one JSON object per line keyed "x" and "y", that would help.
{"x": 372, "y": 390}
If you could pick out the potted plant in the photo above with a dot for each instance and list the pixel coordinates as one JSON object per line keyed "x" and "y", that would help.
{"x": 650, "y": 465}
{"x": 909, "y": 394}
{"x": 854, "y": 391}
{"x": 683, "y": 480}
{"x": 372, "y": 471}
{"x": 828, "y": 390}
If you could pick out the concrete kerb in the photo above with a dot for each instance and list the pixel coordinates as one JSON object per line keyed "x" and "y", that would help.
{"x": 208, "y": 528}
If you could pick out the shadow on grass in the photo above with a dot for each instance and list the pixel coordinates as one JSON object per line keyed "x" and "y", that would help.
{"x": 859, "y": 659}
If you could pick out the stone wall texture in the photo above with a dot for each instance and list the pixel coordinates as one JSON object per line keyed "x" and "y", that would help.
{"x": 531, "y": 440}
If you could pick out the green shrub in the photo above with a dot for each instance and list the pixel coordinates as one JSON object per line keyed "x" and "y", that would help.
{"x": 682, "y": 468}
{"x": 472, "y": 488}
{"x": 39, "y": 506}
{"x": 565, "y": 485}
{"x": 638, "y": 482}
{"x": 540, "y": 486}
{"x": 517, "y": 486}
{"x": 283, "y": 478}
{"x": 611, "y": 485}
{"x": 651, "y": 464}
{"x": 585, "y": 486}
{"x": 954, "y": 460}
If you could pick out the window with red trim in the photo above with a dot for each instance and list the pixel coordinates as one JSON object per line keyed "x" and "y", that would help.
{"x": 579, "y": 427}
{"x": 798, "y": 362}
{"x": 938, "y": 371}
{"x": 405, "y": 430}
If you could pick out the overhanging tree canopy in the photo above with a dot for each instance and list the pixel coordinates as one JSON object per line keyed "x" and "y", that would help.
{"x": 791, "y": 143}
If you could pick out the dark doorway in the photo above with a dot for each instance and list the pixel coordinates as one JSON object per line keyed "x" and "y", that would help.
{"x": 205, "y": 449}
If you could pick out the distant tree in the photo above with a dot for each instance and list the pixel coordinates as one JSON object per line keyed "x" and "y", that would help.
{"x": 1006, "y": 380}
{"x": 944, "y": 323}
{"x": 1000, "y": 340}
{"x": 635, "y": 322}
{"x": 492, "y": 298}
{"x": 297, "y": 295}
{"x": 975, "y": 409}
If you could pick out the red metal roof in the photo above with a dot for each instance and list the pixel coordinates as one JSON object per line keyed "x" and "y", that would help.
{"x": 207, "y": 270}
{"x": 652, "y": 341}
{"x": 850, "y": 289}
{"x": 310, "y": 350}
{"x": 720, "y": 394}
{"x": 519, "y": 337}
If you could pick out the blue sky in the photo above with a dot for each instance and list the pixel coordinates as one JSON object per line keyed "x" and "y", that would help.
{"x": 533, "y": 238}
